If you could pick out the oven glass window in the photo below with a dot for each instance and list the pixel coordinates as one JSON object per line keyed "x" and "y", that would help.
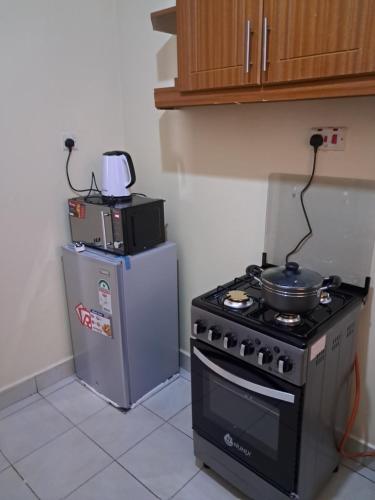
{"x": 251, "y": 420}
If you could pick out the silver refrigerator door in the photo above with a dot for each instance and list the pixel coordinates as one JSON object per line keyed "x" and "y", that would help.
{"x": 151, "y": 314}
{"x": 97, "y": 327}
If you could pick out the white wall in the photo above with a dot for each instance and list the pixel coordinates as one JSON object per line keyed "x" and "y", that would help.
{"x": 90, "y": 66}
{"x": 211, "y": 164}
{"x": 59, "y": 72}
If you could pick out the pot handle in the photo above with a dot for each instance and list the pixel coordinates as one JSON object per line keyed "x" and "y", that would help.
{"x": 331, "y": 283}
{"x": 254, "y": 272}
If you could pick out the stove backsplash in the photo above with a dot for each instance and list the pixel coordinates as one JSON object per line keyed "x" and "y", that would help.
{"x": 341, "y": 214}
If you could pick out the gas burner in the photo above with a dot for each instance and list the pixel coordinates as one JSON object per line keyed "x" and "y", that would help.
{"x": 325, "y": 298}
{"x": 237, "y": 299}
{"x": 288, "y": 319}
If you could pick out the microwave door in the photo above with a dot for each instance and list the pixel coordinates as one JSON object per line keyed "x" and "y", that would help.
{"x": 95, "y": 228}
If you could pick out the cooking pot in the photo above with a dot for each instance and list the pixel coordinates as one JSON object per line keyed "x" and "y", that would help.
{"x": 291, "y": 289}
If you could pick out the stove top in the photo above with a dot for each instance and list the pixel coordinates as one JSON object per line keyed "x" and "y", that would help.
{"x": 257, "y": 315}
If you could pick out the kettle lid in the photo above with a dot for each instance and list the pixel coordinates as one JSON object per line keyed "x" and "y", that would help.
{"x": 114, "y": 153}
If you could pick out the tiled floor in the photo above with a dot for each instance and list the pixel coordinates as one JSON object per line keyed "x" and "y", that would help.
{"x": 67, "y": 443}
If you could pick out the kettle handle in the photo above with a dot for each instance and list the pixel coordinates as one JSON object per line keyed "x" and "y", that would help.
{"x": 128, "y": 160}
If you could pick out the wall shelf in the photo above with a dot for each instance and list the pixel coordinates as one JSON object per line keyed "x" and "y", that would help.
{"x": 172, "y": 98}
{"x": 165, "y": 21}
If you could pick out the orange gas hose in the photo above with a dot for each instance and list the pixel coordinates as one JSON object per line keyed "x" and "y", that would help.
{"x": 353, "y": 415}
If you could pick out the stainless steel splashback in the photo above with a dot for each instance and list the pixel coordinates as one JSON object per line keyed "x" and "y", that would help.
{"x": 342, "y": 215}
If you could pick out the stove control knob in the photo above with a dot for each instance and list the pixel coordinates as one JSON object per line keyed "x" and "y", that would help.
{"x": 230, "y": 340}
{"x": 199, "y": 327}
{"x": 264, "y": 356}
{"x": 246, "y": 348}
{"x": 213, "y": 333}
{"x": 284, "y": 364}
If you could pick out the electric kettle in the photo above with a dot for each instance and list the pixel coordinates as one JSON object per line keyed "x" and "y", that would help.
{"x": 118, "y": 174}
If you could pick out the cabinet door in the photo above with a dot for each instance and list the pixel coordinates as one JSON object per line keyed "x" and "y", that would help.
{"x": 312, "y": 39}
{"x": 218, "y": 43}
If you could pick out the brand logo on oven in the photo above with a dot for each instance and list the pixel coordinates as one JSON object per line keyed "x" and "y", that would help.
{"x": 229, "y": 442}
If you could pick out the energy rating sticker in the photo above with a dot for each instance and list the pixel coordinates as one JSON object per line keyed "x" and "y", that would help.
{"x": 105, "y": 299}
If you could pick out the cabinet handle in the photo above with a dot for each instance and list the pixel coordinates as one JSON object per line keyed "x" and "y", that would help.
{"x": 248, "y": 46}
{"x": 265, "y": 41}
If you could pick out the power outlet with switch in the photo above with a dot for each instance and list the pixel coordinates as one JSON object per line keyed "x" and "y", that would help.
{"x": 333, "y": 137}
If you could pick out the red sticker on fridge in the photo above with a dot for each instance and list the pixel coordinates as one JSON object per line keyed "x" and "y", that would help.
{"x": 84, "y": 315}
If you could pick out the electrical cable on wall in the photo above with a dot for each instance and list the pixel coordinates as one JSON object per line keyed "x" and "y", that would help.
{"x": 316, "y": 141}
{"x": 69, "y": 143}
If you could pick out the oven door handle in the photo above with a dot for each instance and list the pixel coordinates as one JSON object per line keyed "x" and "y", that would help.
{"x": 245, "y": 384}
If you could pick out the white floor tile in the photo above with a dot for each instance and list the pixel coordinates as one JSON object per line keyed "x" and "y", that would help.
{"x": 54, "y": 387}
{"x": 360, "y": 469}
{"x": 76, "y": 402}
{"x": 3, "y": 462}
{"x": 208, "y": 486}
{"x": 170, "y": 400}
{"x": 183, "y": 421}
{"x": 9, "y": 410}
{"x": 164, "y": 461}
{"x": 28, "y": 429}
{"x": 13, "y": 488}
{"x": 116, "y": 432}
{"x": 63, "y": 465}
{"x": 113, "y": 483}
{"x": 185, "y": 374}
{"x": 347, "y": 485}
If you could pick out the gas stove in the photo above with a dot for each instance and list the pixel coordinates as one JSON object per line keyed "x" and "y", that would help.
{"x": 270, "y": 394}
{"x": 235, "y": 319}
{"x": 249, "y": 309}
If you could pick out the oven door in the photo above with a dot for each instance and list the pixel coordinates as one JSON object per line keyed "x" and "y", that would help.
{"x": 252, "y": 416}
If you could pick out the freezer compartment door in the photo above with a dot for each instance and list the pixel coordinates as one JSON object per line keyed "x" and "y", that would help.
{"x": 96, "y": 324}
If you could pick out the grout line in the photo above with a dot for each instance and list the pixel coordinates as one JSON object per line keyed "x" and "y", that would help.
{"x": 24, "y": 481}
{"x": 164, "y": 420}
{"x": 75, "y": 424}
{"x": 137, "y": 479}
{"x": 183, "y": 432}
{"x": 57, "y": 389}
{"x": 182, "y": 409}
{"x": 140, "y": 441}
{"x": 185, "y": 484}
{"x": 359, "y": 473}
{"x": 23, "y": 407}
{"x": 87, "y": 480}
{"x": 124, "y": 453}
{"x": 39, "y": 447}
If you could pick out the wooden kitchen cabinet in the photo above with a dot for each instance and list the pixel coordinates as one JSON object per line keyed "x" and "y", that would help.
{"x": 218, "y": 43}
{"x": 237, "y": 51}
{"x": 313, "y": 39}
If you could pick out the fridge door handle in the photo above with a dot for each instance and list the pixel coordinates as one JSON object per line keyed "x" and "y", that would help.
{"x": 245, "y": 384}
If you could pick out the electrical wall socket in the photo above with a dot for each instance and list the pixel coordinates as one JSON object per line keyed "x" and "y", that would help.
{"x": 333, "y": 137}
{"x": 66, "y": 136}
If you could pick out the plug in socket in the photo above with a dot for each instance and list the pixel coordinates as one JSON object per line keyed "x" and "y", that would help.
{"x": 66, "y": 136}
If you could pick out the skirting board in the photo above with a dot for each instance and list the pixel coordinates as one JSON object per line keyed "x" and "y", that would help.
{"x": 37, "y": 382}
{"x": 185, "y": 360}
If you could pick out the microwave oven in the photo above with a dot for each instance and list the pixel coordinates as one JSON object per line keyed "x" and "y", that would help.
{"x": 124, "y": 228}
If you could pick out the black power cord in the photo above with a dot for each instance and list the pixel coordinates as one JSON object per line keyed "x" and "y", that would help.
{"x": 69, "y": 144}
{"x": 316, "y": 141}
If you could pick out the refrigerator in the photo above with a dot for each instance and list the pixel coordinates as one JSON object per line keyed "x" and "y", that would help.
{"x": 123, "y": 314}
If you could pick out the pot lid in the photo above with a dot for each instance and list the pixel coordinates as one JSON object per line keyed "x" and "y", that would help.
{"x": 292, "y": 276}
